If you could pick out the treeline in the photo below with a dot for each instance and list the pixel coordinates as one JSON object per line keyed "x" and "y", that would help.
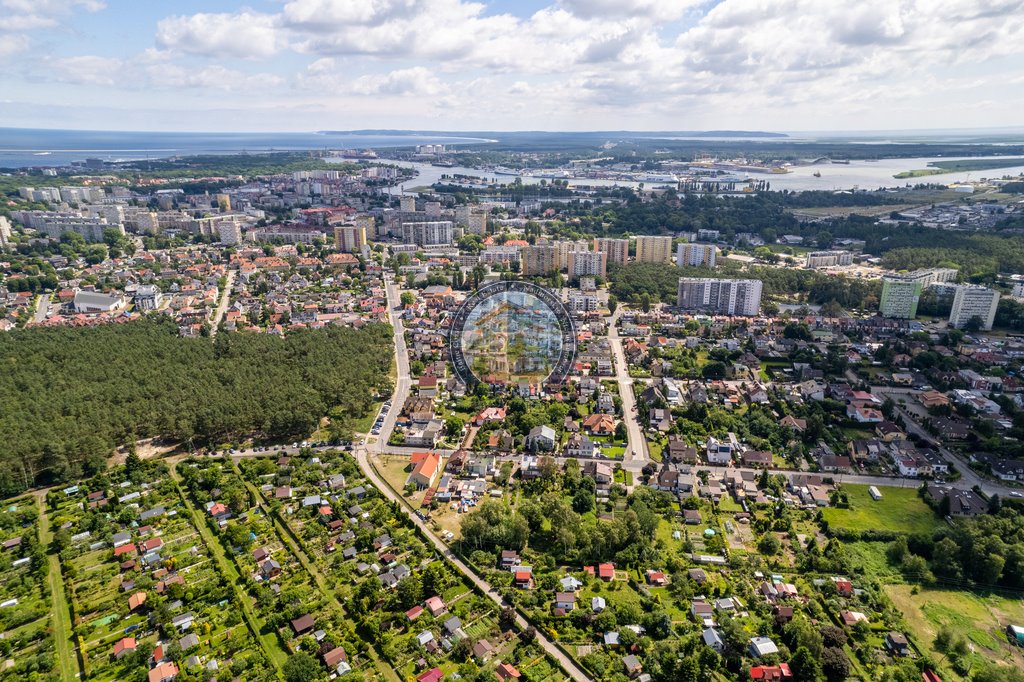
{"x": 986, "y": 551}
{"x": 68, "y": 397}
{"x": 660, "y": 283}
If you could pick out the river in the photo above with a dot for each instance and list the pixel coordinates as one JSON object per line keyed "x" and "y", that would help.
{"x": 834, "y": 176}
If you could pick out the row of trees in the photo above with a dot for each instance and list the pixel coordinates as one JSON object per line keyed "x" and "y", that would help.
{"x": 68, "y": 397}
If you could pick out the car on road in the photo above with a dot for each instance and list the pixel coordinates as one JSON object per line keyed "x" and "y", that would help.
{"x": 1016, "y": 494}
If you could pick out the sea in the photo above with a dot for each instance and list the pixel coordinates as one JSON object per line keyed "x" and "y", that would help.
{"x": 27, "y": 147}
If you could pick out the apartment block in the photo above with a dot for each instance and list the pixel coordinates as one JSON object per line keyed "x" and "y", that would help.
{"x": 900, "y": 296}
{"x": 974, "y": 301}
{"x": 654, "y": 249}
{"x": 587, "y": 264}
{"x": 722, "y": 296}
{"x": 828, "y": 259}
{"x": 538, "y": 260}
{"x": 617, "y": 249}
{"x": 349, "y": 238}
{"x": 696, "y": 254}
{"x": 431, "y": 233}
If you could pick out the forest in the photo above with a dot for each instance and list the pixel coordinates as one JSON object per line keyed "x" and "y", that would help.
{"x": 69, "y": 397}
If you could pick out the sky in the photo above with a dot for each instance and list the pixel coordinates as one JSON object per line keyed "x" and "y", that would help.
{"x": 306, "y": 65}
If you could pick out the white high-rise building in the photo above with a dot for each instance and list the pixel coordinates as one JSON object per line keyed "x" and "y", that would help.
{"x": 432, "y": 233}
{"x": 5, "y": 232}
{"x": 653, "y": 249}
{"x": 539, "y": 260}
{"x": 724, "y": 296}
{"x": 408, "y": 204}
{"x": 229, "y": 233}
{"x": 563, "y": 249}
{"x": 587, "y": 263}
{"x": 696, "y": 254}
{"x": 900, "y": 296}
{"x": 973, "y": 301}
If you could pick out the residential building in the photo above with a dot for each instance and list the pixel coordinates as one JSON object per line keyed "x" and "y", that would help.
{"x": 432, "y": 233}
{"x": 350, "y": 238}
{"x": 971, "y": 301}
{"x": 696, "y": 254}
{"x": 96, "y": 302}
{"x": 564, "y": 248}
{"x": 653, "y": 249}
{"x": 828, "y": 259}
{"x": 724, "y": 296}
{"x": 538, "y": 260}
{"x": 617, "y": 249}
{"x": 228, "y": 232}
{"x": 587, "y": 264}
{"x": 899, "y": 298}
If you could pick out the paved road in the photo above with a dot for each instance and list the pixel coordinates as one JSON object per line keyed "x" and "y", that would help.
{"x": 570, "y": 666}
{"x": 636, "y": 451}
{"x": 42, "y": 307}
{"x": 222, "y": 307}
{"x": 403, "y": 382}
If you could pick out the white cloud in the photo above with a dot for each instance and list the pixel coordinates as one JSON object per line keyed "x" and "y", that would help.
{"x": 152, "y": 70}
{"x": 414, "y": 81}
{"x": 245, "y": 34}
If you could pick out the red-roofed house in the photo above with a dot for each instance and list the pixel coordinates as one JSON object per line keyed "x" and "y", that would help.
{"x": 606, "y": 571}
{"x": 124, "y": 646}
{"x": 136, "y": 600}
{"x": 506, "y": 672}
{"x": 165, "y": 672}
{"x": 432, "y": 675}
{"x": 771, "y": 672}
{"x": 424, "y": 473}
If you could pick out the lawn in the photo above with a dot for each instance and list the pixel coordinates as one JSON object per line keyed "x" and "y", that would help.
{"x": 979, "y": 618}
{"x": 900, "y": 510}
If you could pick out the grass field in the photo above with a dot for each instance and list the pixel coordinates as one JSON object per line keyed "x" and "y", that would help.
{"x": 62, "y": 627}
{"x": 900, "y": 510}
{"x": 980, "y": 619}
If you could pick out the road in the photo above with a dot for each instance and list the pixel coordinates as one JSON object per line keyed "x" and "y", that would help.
{"x": 969, "y": 478}
{"x": 42, "y": 307}
{"x": 570, "y": 666}
{"x": 222, "y": 307}
{"x": 403, "y": 381}
{"x": 636, "y": 452}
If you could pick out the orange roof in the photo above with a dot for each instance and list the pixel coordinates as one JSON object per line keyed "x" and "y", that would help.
{"x": 136, "y": 600}
{"x": 428, "y": 466}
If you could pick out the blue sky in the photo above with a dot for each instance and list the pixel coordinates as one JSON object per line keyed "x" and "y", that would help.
{"x": 283, "y": 65}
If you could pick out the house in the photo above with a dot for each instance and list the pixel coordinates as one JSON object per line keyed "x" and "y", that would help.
{"x": 136, "y": 600}
{"x": 165, "y": 672}
{"x": 851, "y": 618}
{"x": 335, "y": 656}
{"x": 598, "y": 604}
{"x": 188, "y": 641}
{"x": 124, "y": 646}
{"x": 697, "y": 575}
{"x": 713, "y": 639}
{"x": 183, "y": 621}
{"x": 453, "y": 626}
{"x": 632, "y": 665}
{"x": 425, "y": 469}
{"x": 599, "y": 424}
{"x": 844, "y": 588}
{"x": 483, "y": 650}
{"x": 657, "y": 578}
{"x": 509, "y": 558}
{"x": 414, "y": 613}
{"x": 303, "y": 624}
{"x": 606, "y": 571}
{"x": 757, "y": 458}
{"x": 565, "y": 601}
{"x": 432, "y": 675}
{"x": 611, "y": 640}
{"x": 896, "y": 642}
{"x": 506, "y": 672}
{"x": 718, "y": 452}
{"x": 680, "y": 452}
{"x": 782, "y": 613}
{"x": 701, "y": 610}
{"x": 770, "y": 673}
{"x": 270, "y": 569}
{"x": 523, "y": 577}
{"x": 436, "y": 606}
{"x": 570, "y": 584}
{"x": 762, "y": 646}
{"x": 798, "y": 425}
{"x": 541, "y": 438}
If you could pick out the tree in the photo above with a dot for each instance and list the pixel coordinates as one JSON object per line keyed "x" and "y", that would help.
{"x": 621, "y": 433}
{"x": 769, "y": 544}
{"x": 301, "y": 667}
{"x": 407, "y": 298}
{"x": 805, "y": 667}
{"x": 583, "y": 501}
{"x": 834, "y": 664}
{"x": 453, "y": 427}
